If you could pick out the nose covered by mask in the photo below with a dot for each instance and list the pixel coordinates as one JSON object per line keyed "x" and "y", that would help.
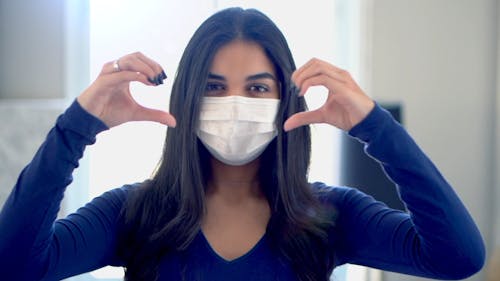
{"x": 236, "y": 129}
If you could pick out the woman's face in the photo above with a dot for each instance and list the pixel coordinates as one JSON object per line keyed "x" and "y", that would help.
{"x": 241, "y": 68}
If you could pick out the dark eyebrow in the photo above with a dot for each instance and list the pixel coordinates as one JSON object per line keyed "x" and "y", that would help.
{"x": 216, "y": 77}
{"x": 263, "y": 75}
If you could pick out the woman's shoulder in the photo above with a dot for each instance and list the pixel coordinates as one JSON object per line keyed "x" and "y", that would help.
{"x": 119, "y": 195}
{"x": 333, "y": 192}
{"x": 340, "y": 196}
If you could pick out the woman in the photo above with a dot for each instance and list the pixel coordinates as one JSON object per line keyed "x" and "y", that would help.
{"x": 230, "y": 199}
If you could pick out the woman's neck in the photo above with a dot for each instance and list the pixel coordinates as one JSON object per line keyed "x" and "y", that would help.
{"x": 234, "y": 183}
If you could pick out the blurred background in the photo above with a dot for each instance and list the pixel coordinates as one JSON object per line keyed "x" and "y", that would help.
{"x": 436, "y": 60}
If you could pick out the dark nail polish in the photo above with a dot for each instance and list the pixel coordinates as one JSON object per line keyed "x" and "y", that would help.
{"x": 294, "y": 90}
{"x": 163, "y": 75}
{"x": 159, "y": 79}
{"x": 155, "y": 80}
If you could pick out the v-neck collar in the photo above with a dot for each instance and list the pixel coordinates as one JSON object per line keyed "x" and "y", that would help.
{"x": 243, "y": 257}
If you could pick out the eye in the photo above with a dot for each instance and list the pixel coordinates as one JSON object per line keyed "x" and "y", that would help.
{"x": 213, "y": 88}
{"x": 258, "y": 89}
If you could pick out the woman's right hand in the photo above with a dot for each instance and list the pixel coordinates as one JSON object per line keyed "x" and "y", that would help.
{"x": 109, "y": 99}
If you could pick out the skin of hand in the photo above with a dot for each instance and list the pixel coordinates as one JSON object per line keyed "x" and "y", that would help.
{"x": 109, "y": 99}
{"x": 346, "y": 104}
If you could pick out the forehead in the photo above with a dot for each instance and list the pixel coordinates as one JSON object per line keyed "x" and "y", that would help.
{"x": 239, "y": 57}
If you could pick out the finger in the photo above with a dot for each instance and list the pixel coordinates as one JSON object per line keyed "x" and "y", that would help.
{"x": 126, "y": 64}
{"x": 332, "y": 84}
{"x": 153, "y": 64}
{"x": 158, "y": 74}
{"x": 133, "y": 63}
{"x": 148, "y": 114}
{"x": 301, "y": 69}
{"x": 137, "y": 62}
{"x": 127, "y": 77}
{"x": 301, "y": 119}
{"x": 313, "y": 63}
{"x": 328, "y": 80}
{"x": 319, "y": 68}
{"x": 324, "y": 64}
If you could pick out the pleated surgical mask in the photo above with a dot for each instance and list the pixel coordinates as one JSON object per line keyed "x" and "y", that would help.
{"x": 236, "y": 129}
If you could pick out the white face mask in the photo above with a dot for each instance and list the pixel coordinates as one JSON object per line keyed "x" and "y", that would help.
{"x": 237, "y": 129}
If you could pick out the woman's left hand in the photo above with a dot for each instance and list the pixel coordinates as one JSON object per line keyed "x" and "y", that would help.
{"x": 346, "y": 105}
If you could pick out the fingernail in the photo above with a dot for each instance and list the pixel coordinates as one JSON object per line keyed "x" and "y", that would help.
{"x": 156, "y": 80}
{"x": 295, "y": 90}
{"x": 152, "y": 81}
{"x": 160, "y": 78}
{"x": 163, "y": 75}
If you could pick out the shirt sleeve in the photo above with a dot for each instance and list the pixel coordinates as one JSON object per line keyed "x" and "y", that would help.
{"x": 436, "y": 238}
{"x": 33, "y": 245}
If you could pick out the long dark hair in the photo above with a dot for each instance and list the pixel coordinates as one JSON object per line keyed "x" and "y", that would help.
{"x": 164, "y": 214}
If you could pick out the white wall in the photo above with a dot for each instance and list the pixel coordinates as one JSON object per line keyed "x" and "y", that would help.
{"x": 438, "y": 57}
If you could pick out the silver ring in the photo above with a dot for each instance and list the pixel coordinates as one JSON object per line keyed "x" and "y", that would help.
{"x": 116, "y": 66}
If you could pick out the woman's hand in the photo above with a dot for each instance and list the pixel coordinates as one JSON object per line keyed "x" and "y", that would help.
{"x": 109, "y": 99}
{"x": 346, "y": 105}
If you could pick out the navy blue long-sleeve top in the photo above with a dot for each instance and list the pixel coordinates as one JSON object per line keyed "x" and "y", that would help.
{"x": 436, "y": 238}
